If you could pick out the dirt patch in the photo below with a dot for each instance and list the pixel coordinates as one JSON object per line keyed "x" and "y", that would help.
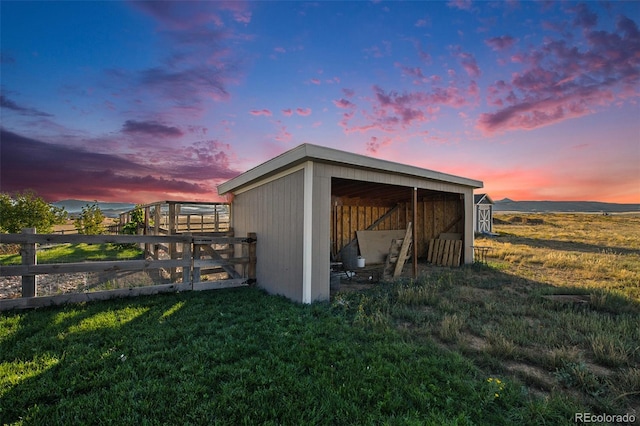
{"x": 579, "y": 299}
{"x": 531, "y": 374}
{"x": 474, "y": 342}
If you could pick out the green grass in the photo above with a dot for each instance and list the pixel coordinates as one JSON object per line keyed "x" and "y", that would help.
{"x": 471, "y": 345}
{"x": 242, "y": 357}
{"x": 67, "y": 253}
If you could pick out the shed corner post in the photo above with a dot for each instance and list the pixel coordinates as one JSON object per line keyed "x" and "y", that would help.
{"x": 469, "y": 206}
{"x": 414, "y": 232}
{"x": 307, "y": 235}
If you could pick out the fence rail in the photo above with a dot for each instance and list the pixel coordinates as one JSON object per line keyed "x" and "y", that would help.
{"x": 197, "y": 254}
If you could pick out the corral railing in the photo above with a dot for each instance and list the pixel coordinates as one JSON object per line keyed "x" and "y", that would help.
{"x": 176, "y": 217}
{"x": 192, "y": 258}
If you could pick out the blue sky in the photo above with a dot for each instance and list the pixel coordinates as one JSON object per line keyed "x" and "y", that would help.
{"x": 144, "y": 101}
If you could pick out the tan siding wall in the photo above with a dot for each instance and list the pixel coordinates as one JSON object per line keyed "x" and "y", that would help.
{"x": 321, "y": 229}
{"x": 275, "y": 212}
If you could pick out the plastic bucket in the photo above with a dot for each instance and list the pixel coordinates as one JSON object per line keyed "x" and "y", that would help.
{"x": 360, "y": 262}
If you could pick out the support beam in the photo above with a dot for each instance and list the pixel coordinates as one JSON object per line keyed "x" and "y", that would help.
{"x": 414, "y": 209}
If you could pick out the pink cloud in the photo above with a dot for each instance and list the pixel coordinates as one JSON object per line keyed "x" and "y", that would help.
{"x": 561, "y": 81}
{"x": 287, "y": 112}
{"x": 392, "y": 111}
{"x": 379, "y": 51}
{"x": 500, "y": 43}
{"x": 374, "y": 144}
{"x": 460, "y": 4}
{"x": 303, "y": 111}
{"x": 344, "y": 103}
{"x": 468, "y": 62}
{"x": 315, "y": 81}
{"x": 258, "y": 112}
{"x": 349, "y": 93}
{"x": 422, "y": 23}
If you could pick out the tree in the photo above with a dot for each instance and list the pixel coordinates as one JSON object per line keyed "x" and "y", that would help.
{"x": 90, "y": 220}
{"x": 27, "y": 210}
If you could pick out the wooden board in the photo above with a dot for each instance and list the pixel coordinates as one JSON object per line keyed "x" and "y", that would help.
{"x": 374, "y": 245}
{"x": 407, "y": 242}
{"x": 445, "y": 252}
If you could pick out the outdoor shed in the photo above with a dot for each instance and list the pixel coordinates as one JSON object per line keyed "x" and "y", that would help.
{"x": 307, "y": 205}
{"x": 483, "y": 213}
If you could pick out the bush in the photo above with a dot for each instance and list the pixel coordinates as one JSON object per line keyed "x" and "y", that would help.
{"x": 27, "y": 210}
{"x": 90, "y": 220}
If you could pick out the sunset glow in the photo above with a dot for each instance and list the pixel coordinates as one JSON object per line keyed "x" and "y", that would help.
{"x": 146, "y": 101}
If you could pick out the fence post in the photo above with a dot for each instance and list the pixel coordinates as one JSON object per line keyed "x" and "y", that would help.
{"x": 197, "y": 253}
{"x": 187, "y": 259}
{"x": 172, "y": 246}
{"x": 29, "y": 257}
{"x": 252, "y": 257}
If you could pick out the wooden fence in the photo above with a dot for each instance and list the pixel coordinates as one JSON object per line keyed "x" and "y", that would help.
{"x": 175, "y": 217}
{"x": 193, "y": 256}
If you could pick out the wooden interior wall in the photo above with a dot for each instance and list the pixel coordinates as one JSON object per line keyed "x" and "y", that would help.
{"x": 435, "y": 214}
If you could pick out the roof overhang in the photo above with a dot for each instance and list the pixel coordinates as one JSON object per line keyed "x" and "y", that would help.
{"x": 309, "y": 152}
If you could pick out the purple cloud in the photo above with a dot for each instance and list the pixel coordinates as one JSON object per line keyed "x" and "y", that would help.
{"x": 11, "y": 105}
{"x": 258, "y": 112}
{"x": 584, "y": 17}
{"x": 72, "y": 172}
{"x": 500, "y": 43}
{"x": 151, "y": 128}
{"x": 343, "y": 103}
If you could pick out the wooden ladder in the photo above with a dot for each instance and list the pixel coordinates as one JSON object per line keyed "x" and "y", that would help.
{"x": 399, "y": 251}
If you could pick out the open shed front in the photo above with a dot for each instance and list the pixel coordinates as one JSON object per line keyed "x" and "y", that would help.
{"x": 364, "y": 206}
{"x": 308, "y": 204}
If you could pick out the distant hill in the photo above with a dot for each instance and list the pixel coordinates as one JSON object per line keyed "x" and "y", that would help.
{"x": 108, "y": 209}
{"x": 507, "y": 205}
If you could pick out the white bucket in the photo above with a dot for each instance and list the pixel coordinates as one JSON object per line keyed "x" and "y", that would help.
{"x": 360, "y": 262}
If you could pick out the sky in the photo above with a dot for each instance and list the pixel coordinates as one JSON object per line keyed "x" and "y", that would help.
{"x": 147, "y": 101}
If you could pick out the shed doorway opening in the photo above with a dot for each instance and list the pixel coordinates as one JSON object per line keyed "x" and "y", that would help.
{"x": 358, "y": 206}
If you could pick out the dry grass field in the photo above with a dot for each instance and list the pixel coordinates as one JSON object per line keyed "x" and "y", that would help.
{"x": 586, "y": 251}
{"x": 558, "y": 307}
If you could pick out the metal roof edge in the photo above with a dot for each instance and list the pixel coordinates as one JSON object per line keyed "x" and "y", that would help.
{"x": 319, "y": 153}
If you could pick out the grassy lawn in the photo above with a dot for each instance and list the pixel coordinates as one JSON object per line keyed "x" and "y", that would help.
{"x": 549, "y": 328}
{"x": 67, "y": 253}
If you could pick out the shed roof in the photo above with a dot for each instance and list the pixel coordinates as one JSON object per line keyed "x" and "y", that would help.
{"x": 310, "y": 152}
{"x": 482, "y": 198}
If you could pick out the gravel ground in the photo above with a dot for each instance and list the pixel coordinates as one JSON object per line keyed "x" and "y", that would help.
{"x": 53, "y": 284}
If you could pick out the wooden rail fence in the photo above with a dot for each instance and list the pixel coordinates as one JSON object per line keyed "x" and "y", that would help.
{"x": 198, "y": 253}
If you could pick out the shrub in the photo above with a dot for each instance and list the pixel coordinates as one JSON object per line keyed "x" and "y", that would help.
{"x": 27, "y": 210}
{"x": 90, "y": 220}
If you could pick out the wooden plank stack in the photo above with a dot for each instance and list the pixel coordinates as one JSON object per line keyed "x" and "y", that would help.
{"x": 444, "y": 252}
